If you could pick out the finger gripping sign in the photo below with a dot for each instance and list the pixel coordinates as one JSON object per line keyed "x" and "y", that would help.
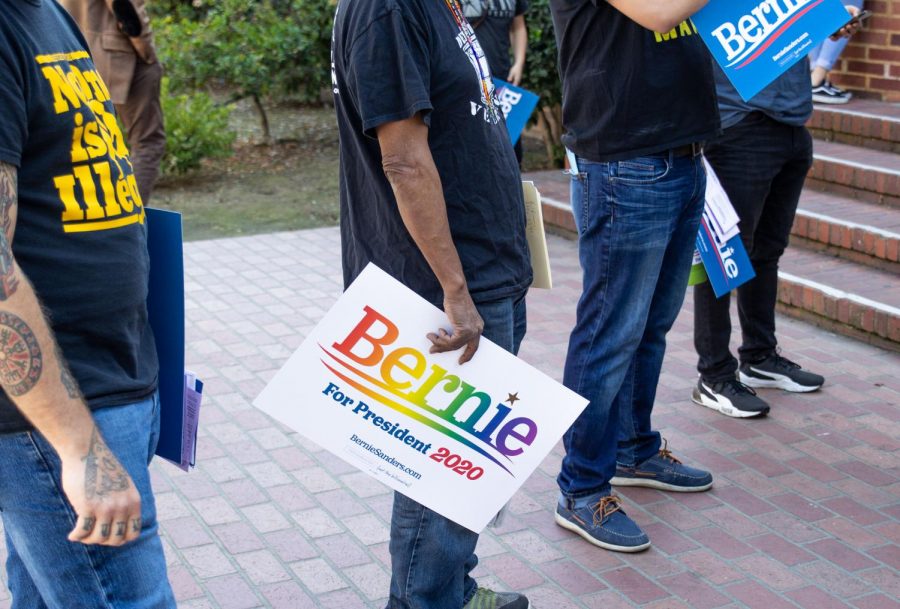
{"x": 755, "y": 41}
{"x": 460, "y": 439}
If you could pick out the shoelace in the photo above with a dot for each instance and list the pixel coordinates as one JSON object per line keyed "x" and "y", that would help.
{"x": 665, "y": 453}
{"x": 739, "y": 387}
{"x": 784, "y": 362}
{"x": 605, "y": 507}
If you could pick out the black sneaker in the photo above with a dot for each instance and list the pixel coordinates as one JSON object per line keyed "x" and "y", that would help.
{"x": 488, "y": 599}
{"x": 827, "y": 93}
{"x": 780, "y": 373}
{"x": 731, "y": 397}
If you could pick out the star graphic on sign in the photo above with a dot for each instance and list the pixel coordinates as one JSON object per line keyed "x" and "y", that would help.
{"x": 513, "y": 398}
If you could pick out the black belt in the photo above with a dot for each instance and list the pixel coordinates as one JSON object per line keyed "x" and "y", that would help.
{"x": 692, "y": 150}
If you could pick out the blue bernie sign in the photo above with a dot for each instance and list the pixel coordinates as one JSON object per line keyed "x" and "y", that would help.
{"x": 727, "y": 264}
{"x": 756, "y": 41}
{"x": 517, "y": 105}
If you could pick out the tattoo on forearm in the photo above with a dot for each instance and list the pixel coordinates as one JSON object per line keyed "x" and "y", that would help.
{"x": 103, "y": 474}
{"x": 9, "y": 282}
{"x": 66, "y": 377}
{"x": 21, "y": 361}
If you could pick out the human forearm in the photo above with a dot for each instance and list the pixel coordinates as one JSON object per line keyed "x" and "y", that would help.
{"x": 420, "y": 199}
{"x": 410, "y": 169}
{"x": 518, "y": 36}
{"x": 658, "y": 15}
{"x": 33, "y": 374}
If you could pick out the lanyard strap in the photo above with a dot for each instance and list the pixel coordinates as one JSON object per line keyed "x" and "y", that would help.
{"x": 471, "y": 43}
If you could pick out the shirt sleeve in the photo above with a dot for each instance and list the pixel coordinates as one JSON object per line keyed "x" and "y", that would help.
{"x": 521, "y": 7}
{"x": 388, "y": 72}
{"x": 13, "y": 117}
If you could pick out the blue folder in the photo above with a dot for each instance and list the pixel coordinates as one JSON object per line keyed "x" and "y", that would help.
{"x": 165, "y": 304}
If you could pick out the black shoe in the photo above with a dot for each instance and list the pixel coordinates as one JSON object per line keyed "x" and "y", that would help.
{"x": 827, "y": 93}
{"x": 780, "y": 373}
{"x": 731, "y": 397}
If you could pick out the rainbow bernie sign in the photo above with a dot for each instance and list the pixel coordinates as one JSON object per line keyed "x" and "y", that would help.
{"x": 756, "y": 41}
{"x": 458, "y": 439}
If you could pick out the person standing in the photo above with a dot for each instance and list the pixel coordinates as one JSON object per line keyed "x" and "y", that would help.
{"x": 761, "y": 159}
{"x": 79, "y": 409}
{"x": 638, "y": 103}
{"x": 822, "y": 60}
{"x": 500, "y": 27}
{"x": 120, "y": 38}
{"x": 430, "y": 192}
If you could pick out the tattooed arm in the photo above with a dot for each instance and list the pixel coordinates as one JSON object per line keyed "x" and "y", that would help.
{"x": 35, "y": 376}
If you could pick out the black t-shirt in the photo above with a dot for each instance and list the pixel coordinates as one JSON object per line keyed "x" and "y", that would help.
{"x": 628, "y": 91}
{"x": 391, "y": 60}
{"x": 492, "y": 20}
{"x": 80, "y": 235}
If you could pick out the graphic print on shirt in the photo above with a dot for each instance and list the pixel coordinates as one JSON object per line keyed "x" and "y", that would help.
{"x": 685, "y": 28}
{"x": 479, "y": 9}
{"x": 100, "y": 193}
{"x": 472, "y": 48}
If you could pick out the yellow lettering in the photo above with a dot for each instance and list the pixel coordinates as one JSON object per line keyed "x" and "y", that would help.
{"x": 123, "y": 195}
{"x": 100, "y": 92}
{"x": 666, "y": 36}
{"x": 95, "y": 145}
{"x": 79, "y": 84}
{"x": 86, "y": 180}
{"x": 109, "y": 195}
{"x": 132, "y": 184}
{"x": 65, "y": 185}
{"x": 64, "y": 96}
{"x": 79, "y": 154}
{"x": 684, "y": 29}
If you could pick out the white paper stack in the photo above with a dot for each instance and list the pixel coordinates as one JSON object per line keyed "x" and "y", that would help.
{"x": 719, "y": 213}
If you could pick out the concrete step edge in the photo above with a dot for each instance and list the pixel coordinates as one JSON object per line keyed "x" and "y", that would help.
{"x": 864, "y": 166}
{"x": 839, "y": 294}
{"x": 886, "y": 234}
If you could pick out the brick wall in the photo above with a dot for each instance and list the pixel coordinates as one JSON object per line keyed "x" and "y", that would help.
{"x": 871, "y": 62}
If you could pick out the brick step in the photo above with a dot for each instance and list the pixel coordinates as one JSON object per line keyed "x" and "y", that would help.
{"x": 867, "y": 123}
{"x": 854, "y": 230}
{"x": 841, "y": 295}
{"x": 857, "y": 173}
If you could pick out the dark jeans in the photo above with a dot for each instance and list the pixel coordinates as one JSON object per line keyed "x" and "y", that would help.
{"x": 432, "y": 556}
{"x": 762, "y": 165}
{"x": 637, "y": 223}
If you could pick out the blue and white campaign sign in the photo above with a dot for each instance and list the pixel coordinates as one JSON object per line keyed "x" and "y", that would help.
{"x": 726, "y": 262}
{"x": 517, "y": 105}
{"x": 756, "y": 41}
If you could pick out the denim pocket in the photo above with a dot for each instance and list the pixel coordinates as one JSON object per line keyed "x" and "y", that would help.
{"x": 580, "y": 197}
{"x": 643, "y": 170}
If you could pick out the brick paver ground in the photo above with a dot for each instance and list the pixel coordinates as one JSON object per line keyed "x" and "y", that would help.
{"x": 805, "y": 512}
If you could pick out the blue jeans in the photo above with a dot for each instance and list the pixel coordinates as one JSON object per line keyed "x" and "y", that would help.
{"x": 431, "y": 556}
{"x": 45, "y": 570}
{"x": 637, "y": 222}
{"x": 826, "y": 54}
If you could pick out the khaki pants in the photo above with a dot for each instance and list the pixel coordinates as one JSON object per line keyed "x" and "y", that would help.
{"x": 142, "y": 118}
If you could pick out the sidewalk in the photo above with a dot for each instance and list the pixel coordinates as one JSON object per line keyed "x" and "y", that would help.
{"x": 805, "y": 511}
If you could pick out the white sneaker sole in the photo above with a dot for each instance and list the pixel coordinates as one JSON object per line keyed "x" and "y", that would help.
{"x": 660, "y": 486}
{"x": 725, "y": 407}
{"x": 779, "y": 381}
{"x": 600, "y": 544}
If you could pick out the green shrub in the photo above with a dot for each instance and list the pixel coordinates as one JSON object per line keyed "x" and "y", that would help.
{"x": 253, "y": 48}
{"x": 196, "y": 129}
{"x": 542, "y": 76}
